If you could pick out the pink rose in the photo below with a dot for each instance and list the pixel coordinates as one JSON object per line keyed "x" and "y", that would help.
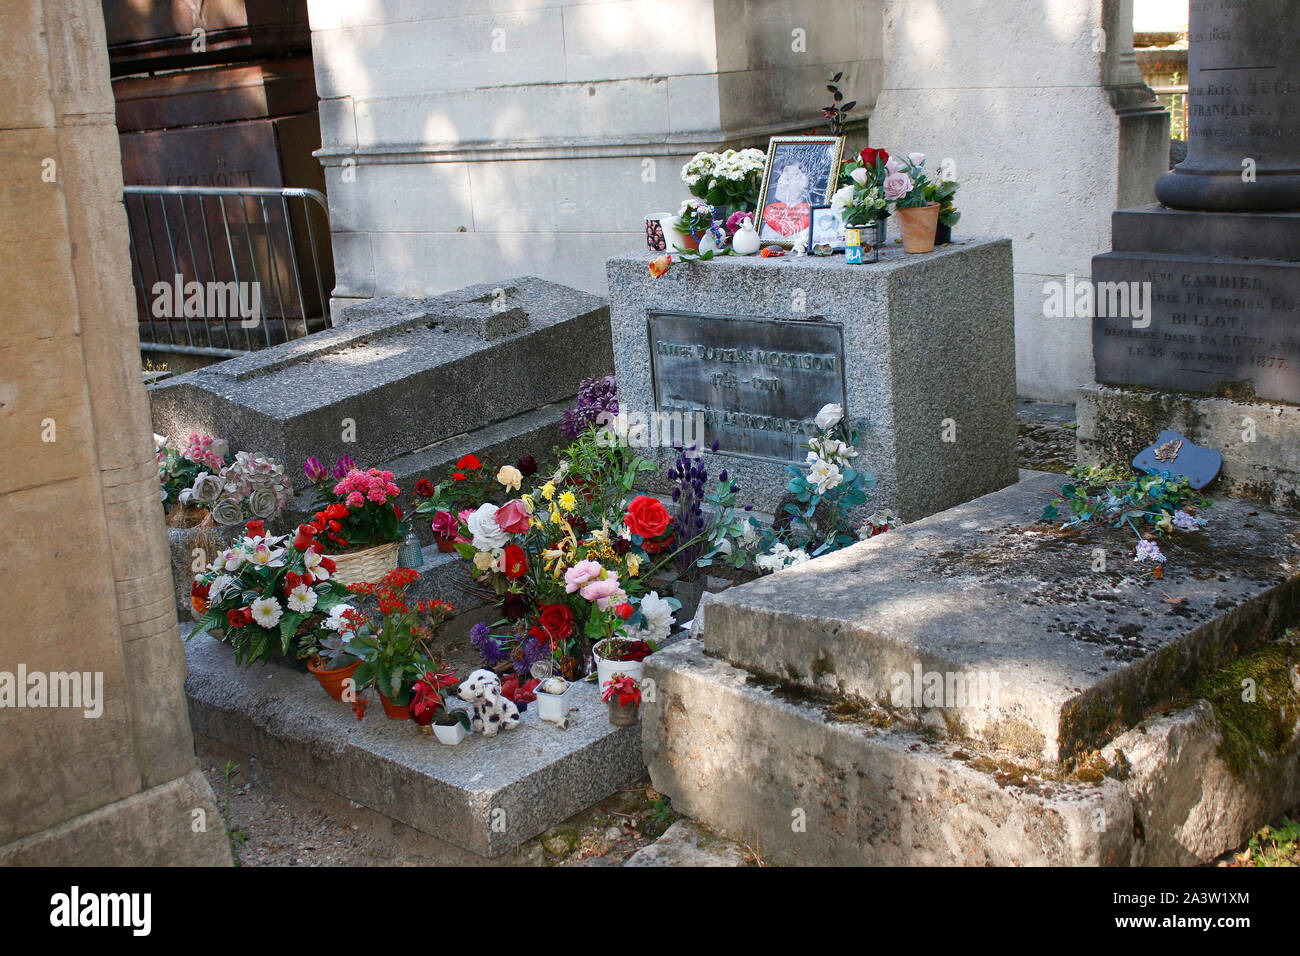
{"x": 604, "y": 592}
{"x": 513, "y": 517}
{"x": 582, "y": 573}
{"x": 445, "y": 525}
{"x": 897, "y": 185}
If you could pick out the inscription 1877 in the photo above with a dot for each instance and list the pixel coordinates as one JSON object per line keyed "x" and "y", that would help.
{"x": 757, "y": 383}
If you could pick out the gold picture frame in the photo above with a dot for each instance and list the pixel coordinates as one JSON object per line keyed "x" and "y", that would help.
{"x": 815, "y": 161}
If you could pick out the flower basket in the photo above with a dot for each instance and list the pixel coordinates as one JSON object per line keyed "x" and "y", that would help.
{"x": 917, "y": 226}
{"x": 621, "y": 715}
{"x": 367, "y": 565}
{"x": 393, "y": 711}
{"x": 331, "y": 679}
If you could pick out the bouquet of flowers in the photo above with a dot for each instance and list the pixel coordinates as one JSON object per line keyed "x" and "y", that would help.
{"x": 694, "y": 218}
{"x": 357, "y": 510}
{"x": 450, "y": 503}
{"x": 907, "y": 183}
{"x": 180, "y": 467}
{"x": 263, "y": 594}
{"x": 393, "y": 642}
{"x": 729, "y": 178}
{"x": 861, "y": 196}
{"x": 251, "y": 486}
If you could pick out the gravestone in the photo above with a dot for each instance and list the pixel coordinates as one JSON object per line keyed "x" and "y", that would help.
{"x": 1211, "y": 278}
{"x": 918, "y": 349}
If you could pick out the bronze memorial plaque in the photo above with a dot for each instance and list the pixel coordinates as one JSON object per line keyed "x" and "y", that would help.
{"x": 755, "y": 384}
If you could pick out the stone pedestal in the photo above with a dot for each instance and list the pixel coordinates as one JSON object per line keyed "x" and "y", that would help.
{"x": 919, "y": 350}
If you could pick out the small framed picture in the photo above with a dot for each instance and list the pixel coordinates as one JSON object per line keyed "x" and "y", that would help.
{"x": 828, "y": 227}
{"x": 801, "y": 172}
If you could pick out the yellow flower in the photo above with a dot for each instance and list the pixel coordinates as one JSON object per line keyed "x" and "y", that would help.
{"x": 633, "y": 565}
{"x": 511, "y": 477}
{"x": 567, "y": 501}
{"x": 483, "y": 560}
{"x": 528, "y": 502}
{"x": 548, "y": 490}
{"x": 556, "y": 517}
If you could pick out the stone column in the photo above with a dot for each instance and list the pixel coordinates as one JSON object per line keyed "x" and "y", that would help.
{"x": 1243, "y": 109}
{"x": 114, "y": 780}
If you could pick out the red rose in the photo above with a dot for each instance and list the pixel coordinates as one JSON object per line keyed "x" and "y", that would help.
{"x": 512, "y": 517}
{"x": 624, "y": 610}
{"x": 871, "y": 156}
{"x": 655, "y": 547}
{"x": 516, "y": 563}
{"x": 255, "y": 529}
{"x": 515, "y": 605}
{"x": 305, "y": 537}
{"x": 424, "y": 488}
{"x": 557, "y": 622}
{"x": 512, "y": 690}
{"x": 647, "y": 517}
{"x": 240, "y": 617}
{"x": 327, "y": 564}
{"x": 636, "y": 651}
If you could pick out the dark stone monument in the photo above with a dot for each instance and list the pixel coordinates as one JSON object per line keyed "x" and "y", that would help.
{"x": 1215, "y": 266}
{"x": 1181, "y": 457}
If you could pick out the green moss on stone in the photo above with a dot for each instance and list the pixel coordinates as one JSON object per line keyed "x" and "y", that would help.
{"x": 1257, "y": 731}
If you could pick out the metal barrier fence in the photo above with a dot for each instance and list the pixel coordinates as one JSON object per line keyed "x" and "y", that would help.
{"x": 223, "y": 271}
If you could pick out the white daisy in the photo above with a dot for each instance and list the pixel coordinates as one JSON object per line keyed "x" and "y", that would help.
{"x": 266, "y": 612}
{"x": 301, "y": 599}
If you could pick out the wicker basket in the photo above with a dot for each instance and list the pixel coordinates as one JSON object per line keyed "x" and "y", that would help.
{"x": 368, "y": 565}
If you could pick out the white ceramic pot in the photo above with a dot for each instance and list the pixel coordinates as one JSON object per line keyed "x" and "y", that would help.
{"x": 553, "y": 707}
{"x": 450, "y": 734}
{"x": 606, "y": 669}
{"x": 745, "y": 242}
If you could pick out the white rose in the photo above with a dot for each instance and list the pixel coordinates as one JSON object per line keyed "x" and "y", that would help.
{"x": 829, "y": 416}
{"x": 843, "y": 197}
{"x": 859, "y": 175}
{"x": 482, "y": 524}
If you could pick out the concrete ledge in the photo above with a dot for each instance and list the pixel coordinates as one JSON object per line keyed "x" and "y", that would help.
{"x": 1116, "y": 423}
{"x": 773, "y": 773}
{"x": 151, "y": 828}
{"x": 486, "y": 795}
{"x": 1079, "y": 654}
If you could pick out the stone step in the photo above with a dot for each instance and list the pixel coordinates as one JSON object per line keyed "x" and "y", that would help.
{"x": 1069, "y": 655}
{"x": 774, "y": 773}
{"x": 408, "y": 375}
{"x": 486, "y": 795}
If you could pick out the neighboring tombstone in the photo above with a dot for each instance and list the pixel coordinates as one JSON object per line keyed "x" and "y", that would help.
{"x": 1202, "y": 302}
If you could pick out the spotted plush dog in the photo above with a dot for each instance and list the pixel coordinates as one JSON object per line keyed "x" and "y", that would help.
{"x": 492, "y": 711}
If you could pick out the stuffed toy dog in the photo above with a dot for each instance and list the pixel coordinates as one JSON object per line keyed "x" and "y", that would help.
{"x": 492, "y": 710}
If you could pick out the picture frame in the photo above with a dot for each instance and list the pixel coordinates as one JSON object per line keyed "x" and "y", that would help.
{"x": 801, "y": 172}
{"x": 827, "y": 227}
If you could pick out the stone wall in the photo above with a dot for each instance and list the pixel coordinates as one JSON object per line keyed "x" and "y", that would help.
{"x": 470, "y": 141}
{"x": 1048, "y": 132}
{"x": 85, "y": 559}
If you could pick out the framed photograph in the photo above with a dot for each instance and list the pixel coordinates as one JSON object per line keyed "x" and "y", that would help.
{"x": 827, "y": 228}
{"x": 801, "y": 172}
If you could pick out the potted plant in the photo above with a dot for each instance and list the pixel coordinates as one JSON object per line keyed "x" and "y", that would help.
{"x": 449, "y": 503}
{"x": 942, "y": 192}
{"x": 692, "y": 222}
{"x": 552, "y": 694}
{"x": 392, "y": 644}
{"x": 648, "y": 622}
{"x": 359, "y": 522}
{"x": 266, "y": 595}
{"x": 861, "y": 197}
{"x": 623, "y": 696}
{"x": 430, "y": 708}
{"x": 728, "y": 181}
{"x": 918, "y": 218}
{"x": 329, "y": 657}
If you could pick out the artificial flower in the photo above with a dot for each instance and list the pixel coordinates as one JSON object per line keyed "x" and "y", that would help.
{"x": 510, "y": 477}
{"x": 829, "y": 416}
{"x": 266, "y": 612}
{"x": 647, "y": 517}
{"x": 513, "y": 517}
{"x": 515, "y": 562}
{"x": 487, "y": 534}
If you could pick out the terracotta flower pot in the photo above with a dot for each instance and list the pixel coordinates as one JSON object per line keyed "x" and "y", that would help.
{"x": 393, "y": 711}
{"x": 685, "y": 240}
{"x": 917, "y": 227}
{"x": 331, "y": 679}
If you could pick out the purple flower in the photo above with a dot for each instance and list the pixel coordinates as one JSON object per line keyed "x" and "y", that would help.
{"x": 597, "y": 397}
{"x": 534, "y": 651}
{"x": 489, "y": 648}
{"x": 1149, "y": 551}
{"x": 343, "y": 466}
{"x": 314, "y": 469}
